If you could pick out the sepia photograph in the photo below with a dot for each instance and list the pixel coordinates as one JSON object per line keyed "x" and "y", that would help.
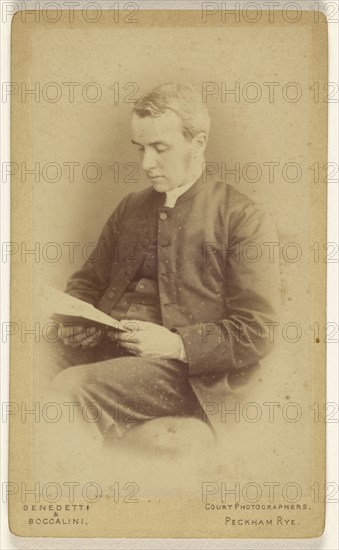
{"x": 168, "y": 273}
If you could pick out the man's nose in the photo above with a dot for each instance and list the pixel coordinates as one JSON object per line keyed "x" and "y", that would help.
{"x": 148, "y": 160}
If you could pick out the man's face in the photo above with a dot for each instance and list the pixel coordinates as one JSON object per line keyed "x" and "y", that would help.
{"x": 166, "y": 154}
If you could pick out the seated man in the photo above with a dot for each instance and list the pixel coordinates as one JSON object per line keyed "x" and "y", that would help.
{"x": 173, "y": 262}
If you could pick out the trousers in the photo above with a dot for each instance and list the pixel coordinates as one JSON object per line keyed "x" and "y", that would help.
{"x": 113, "y": 389}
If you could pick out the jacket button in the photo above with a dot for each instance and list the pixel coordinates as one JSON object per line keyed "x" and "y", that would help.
{"x": 111, "y": 294}
{"x": 134, "y": 308}
{"x": 163, "y": 216}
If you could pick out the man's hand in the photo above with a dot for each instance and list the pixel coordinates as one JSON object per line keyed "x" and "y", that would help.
{"x": 80, "y": 336}
{"x": 149, "y": 340}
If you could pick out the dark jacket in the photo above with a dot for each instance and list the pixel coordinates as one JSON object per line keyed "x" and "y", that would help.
{"x": 218, "y": 282}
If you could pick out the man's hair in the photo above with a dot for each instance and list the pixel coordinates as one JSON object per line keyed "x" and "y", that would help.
{"x": 182, "y": 99}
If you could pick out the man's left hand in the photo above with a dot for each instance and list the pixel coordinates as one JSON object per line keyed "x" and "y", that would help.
{"x": 146, "y": 339}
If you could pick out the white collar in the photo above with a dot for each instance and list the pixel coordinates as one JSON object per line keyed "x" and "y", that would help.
{"x": 173, "y": 195}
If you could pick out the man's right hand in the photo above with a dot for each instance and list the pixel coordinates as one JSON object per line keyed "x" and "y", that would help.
{"x": 80, "y": 336}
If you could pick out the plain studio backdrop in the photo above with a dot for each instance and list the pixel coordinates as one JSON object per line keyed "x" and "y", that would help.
{"x": 125, "y": 62}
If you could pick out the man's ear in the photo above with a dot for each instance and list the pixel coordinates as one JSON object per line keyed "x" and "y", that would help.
{"x": 200, "y": 141}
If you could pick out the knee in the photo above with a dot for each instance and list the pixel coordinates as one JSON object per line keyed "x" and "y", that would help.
{"x": 72, "y": 383}
{"x": 171, "y": 436}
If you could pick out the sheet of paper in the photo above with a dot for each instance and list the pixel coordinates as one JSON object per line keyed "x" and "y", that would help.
{"x": 59, "y": 306}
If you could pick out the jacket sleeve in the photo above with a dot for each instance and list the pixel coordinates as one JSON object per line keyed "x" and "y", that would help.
{"x": 90, "y": 282}
{"x": 252, "y": 299}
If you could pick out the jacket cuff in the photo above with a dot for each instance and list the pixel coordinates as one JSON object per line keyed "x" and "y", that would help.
{"x": 205, "y": 349}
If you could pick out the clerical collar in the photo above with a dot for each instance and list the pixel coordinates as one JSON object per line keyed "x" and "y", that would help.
{"x": 173, "y": 195}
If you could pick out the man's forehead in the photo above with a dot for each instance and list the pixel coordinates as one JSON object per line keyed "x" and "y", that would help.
{"x": 156, "y": 127}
